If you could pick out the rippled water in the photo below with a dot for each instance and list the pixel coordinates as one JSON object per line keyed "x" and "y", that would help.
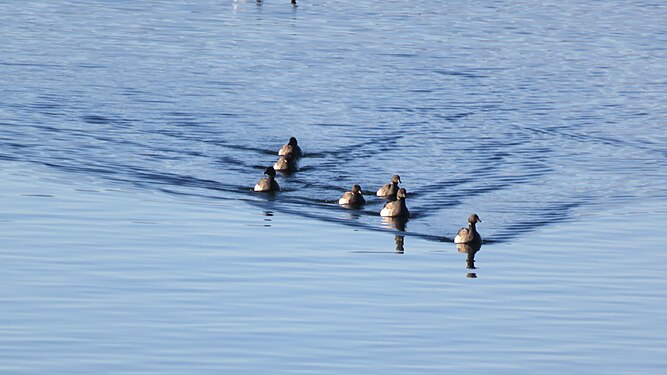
{"x": 101, "y": 280}
{"x": 522, "y": 113}
{"x": 536, "y": 116}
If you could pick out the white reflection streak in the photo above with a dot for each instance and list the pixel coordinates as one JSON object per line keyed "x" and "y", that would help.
{"x": 236, "y": 6}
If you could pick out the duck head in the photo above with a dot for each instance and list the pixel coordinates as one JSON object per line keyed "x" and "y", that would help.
{"x": 473, "y": 219}
{"x": 270, "y": 171}
{"x": 402, "y": 193}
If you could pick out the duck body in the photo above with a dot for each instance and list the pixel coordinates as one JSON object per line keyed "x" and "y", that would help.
{"x": 397, "y": 208}
{"x": 268, "y": 184}
{"x": 391, "y": 189}
{"x": 291, "y": 147}
{"x": 285, "y": 163}
{"x": 470, "y": 234}
{"x": 353, "y": 197}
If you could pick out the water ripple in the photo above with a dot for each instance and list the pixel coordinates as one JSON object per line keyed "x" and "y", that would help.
{"x": 521, "y": 124}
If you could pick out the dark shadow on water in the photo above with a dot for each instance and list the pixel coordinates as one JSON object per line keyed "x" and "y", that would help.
{"x": 304, "y": 194}
{"x": 291, "y": 200}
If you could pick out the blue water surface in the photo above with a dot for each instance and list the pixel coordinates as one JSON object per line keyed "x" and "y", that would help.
{"x": 132, "y": 133}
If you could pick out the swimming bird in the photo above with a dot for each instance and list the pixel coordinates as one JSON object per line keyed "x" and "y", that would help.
{"x": 390, "y": 190}
{"x": 470, "y": 234}
{"x": 353, "y": 197}
{"x": 268, "y": 184}
{"x": 285, "y": 163}
{"x": 396, "y": 208}
{"x": 291, "y": 146}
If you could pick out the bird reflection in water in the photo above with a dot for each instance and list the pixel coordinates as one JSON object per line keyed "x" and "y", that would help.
{"x": 350, "y": 214}
{"x": 398, "y": 223}
{"x": 400, "y": 241}
{"x": 470, "y": 249}
{"x": 269, "y": 215}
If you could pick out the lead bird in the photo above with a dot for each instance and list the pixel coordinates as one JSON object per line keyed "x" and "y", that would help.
{"x": 470, "y": 234}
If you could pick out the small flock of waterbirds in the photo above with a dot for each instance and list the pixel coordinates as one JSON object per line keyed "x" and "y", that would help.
{"x": 395, "y": 207}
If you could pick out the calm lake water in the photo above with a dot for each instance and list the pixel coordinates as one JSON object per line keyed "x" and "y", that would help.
{"x": 132, "y": 133}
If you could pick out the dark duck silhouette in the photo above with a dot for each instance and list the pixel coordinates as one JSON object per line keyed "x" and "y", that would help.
{"x": 268, "y": 183}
